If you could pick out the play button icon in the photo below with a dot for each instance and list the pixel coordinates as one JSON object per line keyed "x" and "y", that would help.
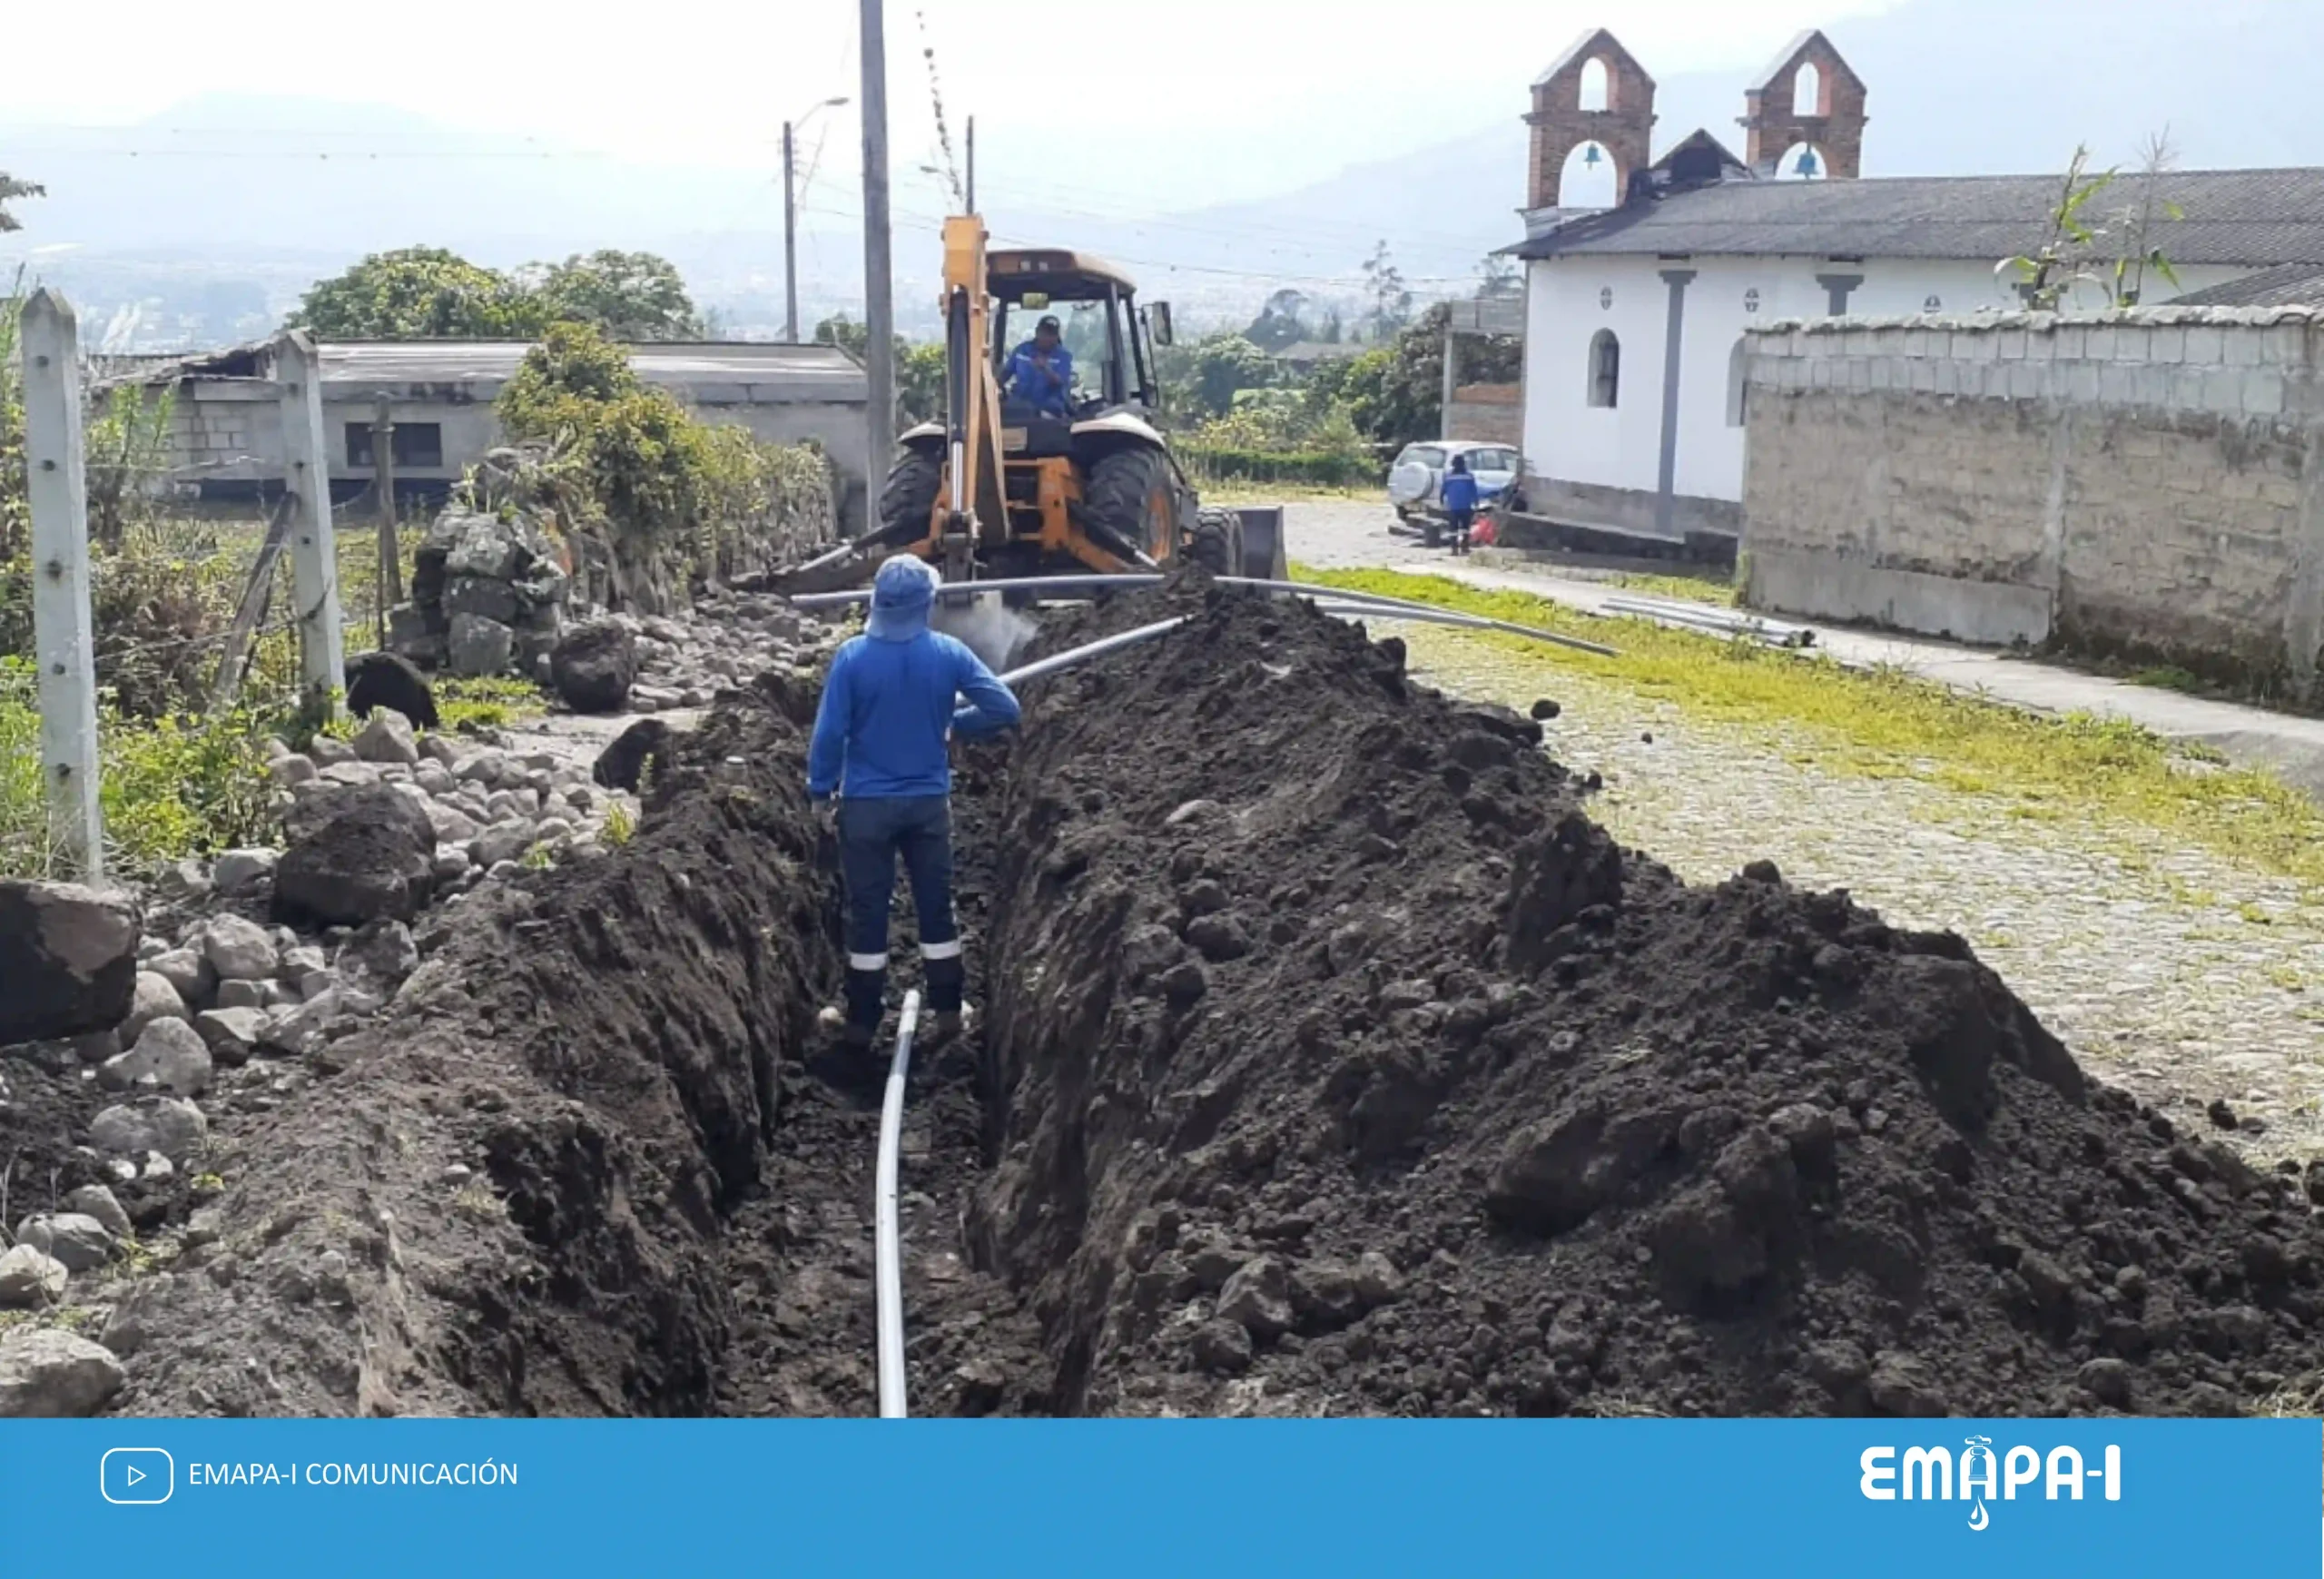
{"x": 137, "y": 1476}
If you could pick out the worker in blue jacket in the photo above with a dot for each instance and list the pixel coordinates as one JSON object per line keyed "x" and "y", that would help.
{"x": 889, "y": 704}
{"x": 1040, "y": 370}
{"x": 1460, "y": 496}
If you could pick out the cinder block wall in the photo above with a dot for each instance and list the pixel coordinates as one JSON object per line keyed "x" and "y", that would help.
{"x": 2143, "y": 482}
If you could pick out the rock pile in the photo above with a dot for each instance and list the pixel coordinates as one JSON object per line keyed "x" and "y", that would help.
{"x": 488, "y": 595}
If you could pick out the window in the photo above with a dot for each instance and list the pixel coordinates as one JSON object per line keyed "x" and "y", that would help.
{"x": 416, "y": 444}
{"x": 1596, "y": 86}
{"x": 1427, "y": 455}
{"x": 1588, "y": 179}
{"x": 1738, "y": 382}
{"x": 1808, "y": 90}
{"x": 1605, "y": 368}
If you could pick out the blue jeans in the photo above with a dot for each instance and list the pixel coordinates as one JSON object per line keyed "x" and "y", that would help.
{"x": 872, "y": 834}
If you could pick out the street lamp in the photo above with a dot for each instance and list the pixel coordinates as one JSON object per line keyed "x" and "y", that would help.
{"x": 791, "y": 221}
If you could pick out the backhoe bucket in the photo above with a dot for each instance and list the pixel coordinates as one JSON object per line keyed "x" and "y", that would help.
{"x": 1264, "y": 555}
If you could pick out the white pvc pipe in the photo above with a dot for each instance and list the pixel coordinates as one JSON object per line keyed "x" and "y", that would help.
{"x": 1066, "y": 660}
{"x": 889, "y": 1246}
{"x": 1348, "y": 595}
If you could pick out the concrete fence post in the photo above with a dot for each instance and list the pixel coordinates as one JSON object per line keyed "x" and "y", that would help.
{"x": 62, "y": 637}
{"x": 314, "y": 559}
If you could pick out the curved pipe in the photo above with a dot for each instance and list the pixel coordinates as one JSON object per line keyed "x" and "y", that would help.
{"x": 889, "y": 1248}
{"x": 1066, "y": 660}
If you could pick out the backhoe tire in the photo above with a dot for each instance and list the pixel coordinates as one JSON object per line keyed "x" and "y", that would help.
{"x": 1217, "y": 545}
{"x": 907, "y": 501}
{"x": 1132, "y": 491}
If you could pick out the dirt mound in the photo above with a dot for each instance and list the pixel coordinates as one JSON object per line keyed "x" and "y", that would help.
{"x": 1341, "y": 1065}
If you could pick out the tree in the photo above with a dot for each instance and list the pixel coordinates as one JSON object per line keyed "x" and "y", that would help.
{"x": 418, "y": 293}
{"x": 12, "y": 189}
{"x": 629, "y": 296}
{"x": 1497, "y": 278}
{"x": 1201, "y": 381}
{"x": 1396, "y": 392}
{"x": 2112, "y": 251}
{"x": 1392, "y": 301}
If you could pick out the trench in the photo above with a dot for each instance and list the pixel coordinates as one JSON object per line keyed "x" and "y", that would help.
{"x": 1333, "y": 1061}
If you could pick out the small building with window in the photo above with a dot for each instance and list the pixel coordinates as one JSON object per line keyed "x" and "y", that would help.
{"x": 1643, "y": 272}
{"x": 437, "y": 397}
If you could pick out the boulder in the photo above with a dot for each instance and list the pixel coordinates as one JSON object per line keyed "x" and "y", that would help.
{"x": 69, "y": 957}
{"x": 504, "y": 841}
{"x": 239, "y": 950}
{"x": 594, "y": 666}
{"x": 291, "y": 771}
{"x": 382, "y": 952}
{"x": 49, "y": 1374}
{"x": 480, "y": 646}
{"x": 240, "y": 872}
{"x": 329, "y": 752}
{"x": 168, "y": 1125}
{"x": 75, "y": 1239}
{"x": 482, "y": 597}
{"x": 366, "y": 854}
{"x": 387, "y": 737}
{"x": 30, "y": 1279}
{"x": 624, "y": 764}
{"x": 1257, "y": 1298}
{"x": 95, "y": 1200}
{"x": 154, "y": 999}
{"x": 171, "y": 1053}
{"x": 231, "y": 1035}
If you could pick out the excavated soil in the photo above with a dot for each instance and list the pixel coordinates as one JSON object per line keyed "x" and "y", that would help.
{"x": 1334, "y": 1063}
{"x": 1341, "y": 1065}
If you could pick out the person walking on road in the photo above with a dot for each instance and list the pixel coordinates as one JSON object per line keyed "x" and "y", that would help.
{"x": 890, "y": 704}
{"x": 1460, "y": 494}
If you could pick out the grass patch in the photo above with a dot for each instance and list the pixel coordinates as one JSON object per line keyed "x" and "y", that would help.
{"x": 493, "y": 703}
{"x": 1885, "y": 723}
{"x": 1684, "y": 588}
{"x": 1243, "y": 492}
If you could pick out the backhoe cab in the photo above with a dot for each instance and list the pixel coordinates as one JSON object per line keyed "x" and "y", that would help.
{"x": 1002, "y": 487}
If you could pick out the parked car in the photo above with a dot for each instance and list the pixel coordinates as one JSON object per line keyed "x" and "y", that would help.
{"x": 1416, "y": 480}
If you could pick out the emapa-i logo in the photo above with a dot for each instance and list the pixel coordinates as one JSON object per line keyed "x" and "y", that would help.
{"x": 1927, "y": 1474}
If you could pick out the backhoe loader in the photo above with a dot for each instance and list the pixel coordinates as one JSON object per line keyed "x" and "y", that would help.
{"x": 1004, "y": 486}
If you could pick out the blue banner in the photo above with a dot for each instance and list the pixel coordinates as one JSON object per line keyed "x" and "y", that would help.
{"x": 1795, "y": 1498}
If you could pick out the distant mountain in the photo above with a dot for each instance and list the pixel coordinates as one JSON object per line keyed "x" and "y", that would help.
{"x": 167, "y": 228}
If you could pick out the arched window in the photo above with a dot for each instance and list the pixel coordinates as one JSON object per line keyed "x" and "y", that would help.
{"x": 1605, "y": 370}
{"x": 1738, "y": 366}
{"x": 1808, "y": 89}
{"x": 1596, "y": 86}
{"x": 1801, "y": 162}
{"x": 1588, "y": 178}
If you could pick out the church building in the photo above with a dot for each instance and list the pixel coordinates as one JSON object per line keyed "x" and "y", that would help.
{"x": 1644, "y": 270}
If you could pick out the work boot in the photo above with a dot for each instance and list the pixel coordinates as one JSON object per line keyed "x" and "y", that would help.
{"x": 834, "y": 1023}
{"x": 950, "y": 1024}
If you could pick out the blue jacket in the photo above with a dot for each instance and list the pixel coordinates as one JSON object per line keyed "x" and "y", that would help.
{"x": 1049, "y": 388}
{"x": 1460, "y": 491}
{"x": 890, "y": 697}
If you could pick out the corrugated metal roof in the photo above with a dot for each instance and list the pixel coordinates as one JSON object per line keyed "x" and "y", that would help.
{"x": 2291, "y": 285}
{"x": 827, "y": 369}
{"x": 2251, "y": 217}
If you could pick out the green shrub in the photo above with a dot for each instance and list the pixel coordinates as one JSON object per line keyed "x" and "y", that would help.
{"x": 170, "y": 787}
{"x": 1319, "y": 469}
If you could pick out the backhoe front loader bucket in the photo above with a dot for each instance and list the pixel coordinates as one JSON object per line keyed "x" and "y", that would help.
{"x": 1263, "y": 555}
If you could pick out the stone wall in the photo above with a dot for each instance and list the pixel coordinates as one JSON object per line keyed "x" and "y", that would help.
{"x": 2143, "y": 482}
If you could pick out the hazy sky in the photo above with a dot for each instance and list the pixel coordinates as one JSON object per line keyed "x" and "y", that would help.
{"x": 1134, "y": 108}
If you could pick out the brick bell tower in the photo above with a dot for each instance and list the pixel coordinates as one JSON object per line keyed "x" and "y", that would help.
{"x": 1595, "y": 92}
{"x": 1810, "y": 96}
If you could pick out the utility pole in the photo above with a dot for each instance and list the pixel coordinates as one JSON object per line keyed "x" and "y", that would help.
{"x": 383, "y": 484}
{"x": 789, "y": 245}
{"x": 64, "y": 639}
{"x": 972, "y": 164}
{"x": 879, "y": 307}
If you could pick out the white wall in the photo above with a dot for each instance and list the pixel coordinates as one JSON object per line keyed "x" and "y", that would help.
{"x": 1566, "y": 438}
